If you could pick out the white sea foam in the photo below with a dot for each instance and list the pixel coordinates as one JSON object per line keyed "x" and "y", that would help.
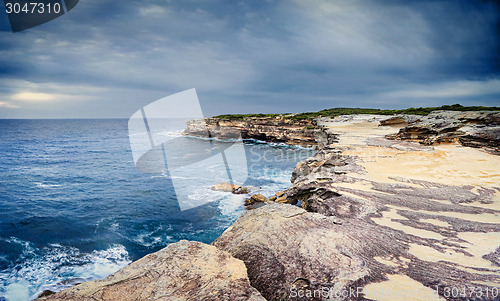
{"x": 153, "y": 238}
{"x": 174, "y": 134}
{"x": 205, "y": 193}
{"x": 46, "y": 186}
{"x": 167, "y": 176}
{"x": 231, "y": 205}
{"x": 42, "y": 269}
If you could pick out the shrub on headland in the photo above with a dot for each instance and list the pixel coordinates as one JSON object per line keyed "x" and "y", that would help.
{"x": 349, "y": 111}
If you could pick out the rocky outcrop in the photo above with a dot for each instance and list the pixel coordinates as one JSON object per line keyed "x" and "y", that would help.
{"x": 352, "y": 234}
{"x": 254, "y": 199}
{"x": 400, "y": 120}
{"x": 226, "y": 187}
{"x": 271, "y": 129}
{"x": 285, "y": 247}
{"x": 475, "y": 129}
{"x": 181, "y": 271}
{"x": 357, "y": 237}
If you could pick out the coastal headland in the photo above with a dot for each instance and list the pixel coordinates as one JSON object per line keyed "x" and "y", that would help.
{"x": 401, "y": 206}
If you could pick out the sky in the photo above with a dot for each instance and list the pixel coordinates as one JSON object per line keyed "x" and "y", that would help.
{"x": 108, "y": 58}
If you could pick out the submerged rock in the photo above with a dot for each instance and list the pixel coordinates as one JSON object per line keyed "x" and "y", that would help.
{"x": 181, "y": 271}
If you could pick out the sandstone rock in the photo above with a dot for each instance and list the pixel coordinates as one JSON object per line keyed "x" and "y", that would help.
{"x": 396, "y": 211}
{"x": 270, "y": 129}
{"x": 256, "y": 198}
{"x": 286, "y": 248}
{"x": 46, "y": 293}
{"x": 327, "y": 164}
{"x": 181, "y": 271}
{"x": 227, "y": 187}
{"x": 485, "y": 137}
{"x": 283, "y": 245}
{"x": 272, "y": 199}
{"x": 479, "y": 129}
{"x": 280, "y": 193}
{"x": 400, "y": 120}
{"x": 285, "y": 200}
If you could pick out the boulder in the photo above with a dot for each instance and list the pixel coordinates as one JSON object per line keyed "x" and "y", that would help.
{"x": 182, "y": 271}
{"x": 400, "y": 120}
{"x": 480, "y": 129}
{"x": 227, "y": 187}
{"x": 285, "y": 247}
{"x": 284, "y": 200}
{"x": 256, "y": 198}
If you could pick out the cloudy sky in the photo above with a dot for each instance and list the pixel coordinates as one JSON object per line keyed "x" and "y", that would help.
{"x": 108, "y": 58}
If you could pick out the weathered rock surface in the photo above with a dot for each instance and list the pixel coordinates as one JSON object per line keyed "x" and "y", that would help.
{"x": 353, "y": 237}
{"x": 226, "y": 187}
{"x": 270, "y": 129}
{"x": 475, "y": 129}
{"x": 401, "y": 120}
{"x": 181, "y": 271}
{"x": 356, "y": 237}
{"x": 256, "y": 198}
{"x": 283, "y": 246}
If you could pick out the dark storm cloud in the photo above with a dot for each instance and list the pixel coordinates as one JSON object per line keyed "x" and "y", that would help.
{"x": 109, "y": 58}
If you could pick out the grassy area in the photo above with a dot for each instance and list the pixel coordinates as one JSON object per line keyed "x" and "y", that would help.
{"x": 348, "y": 111}
{"x": 243, "y": 116}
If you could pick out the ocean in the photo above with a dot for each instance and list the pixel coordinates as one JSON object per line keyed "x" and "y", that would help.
{"x": 73, "y": 206}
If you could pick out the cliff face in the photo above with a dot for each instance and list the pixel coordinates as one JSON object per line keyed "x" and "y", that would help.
{"x": 473, "y": 129}
{"x": 271, "y": 129}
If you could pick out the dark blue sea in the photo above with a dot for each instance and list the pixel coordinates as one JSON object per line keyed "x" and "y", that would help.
{"x": 73, "y": 206}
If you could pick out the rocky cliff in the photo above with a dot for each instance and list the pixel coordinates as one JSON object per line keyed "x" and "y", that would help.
{"x": 478, "y": 129}
{"x": 474, "y": 129}
{"x": 272, "y": 129}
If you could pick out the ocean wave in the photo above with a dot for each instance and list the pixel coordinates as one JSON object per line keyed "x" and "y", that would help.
{"x": 231, "y": 140}
{"x": 166, "y": 175}
{"x": 151, "y": 238}
{"x": 46, "y": 186}
{"x": 232, "y": 205}
{"x": 174, "y": 134}
{"x": 276, "y": 144}
{"x": 56, "y": 267}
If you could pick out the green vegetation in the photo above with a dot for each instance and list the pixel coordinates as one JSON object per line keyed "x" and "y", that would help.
{"x": 242, "y": 116}
{"x": 414, "y": 111}
{"x": 349, "y": 111}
